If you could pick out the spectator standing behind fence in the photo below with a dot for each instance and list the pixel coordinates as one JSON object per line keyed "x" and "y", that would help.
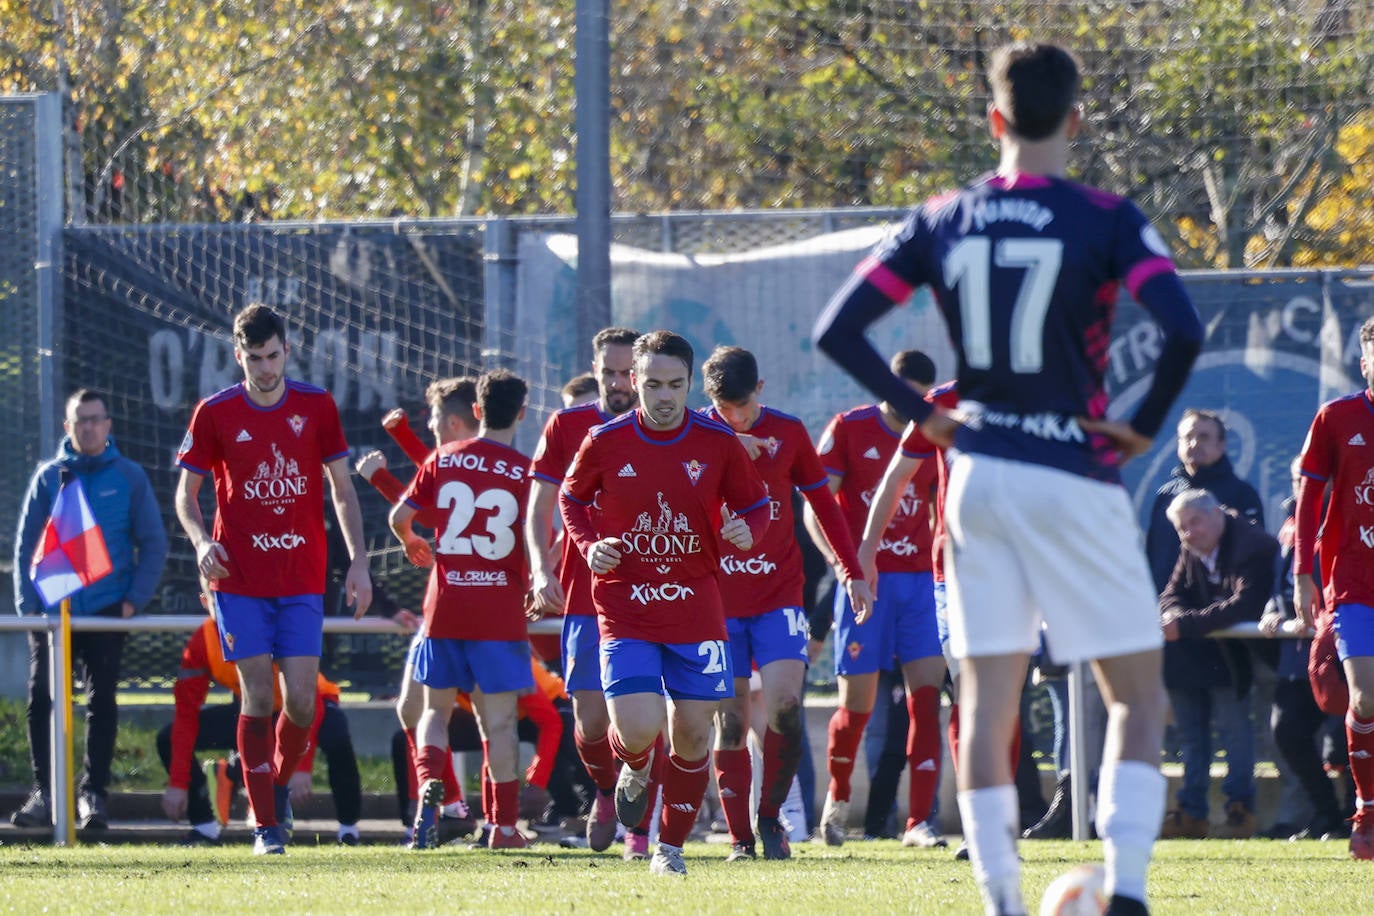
{"x": 1203, "y": 465}
{"x": 1295, "y": 718}
{"x": 1339, "y": 454}
{"x": 264, "y": 442}
{"x": 1223, "y": 575}
{"x": 123, "y": 504}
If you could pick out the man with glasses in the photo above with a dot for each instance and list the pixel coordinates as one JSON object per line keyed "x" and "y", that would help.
{"x": 124, "y": 506}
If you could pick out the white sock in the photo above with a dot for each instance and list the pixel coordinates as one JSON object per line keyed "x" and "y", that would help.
{"x": 990, "y": 817}
{"x": 349, "y": 831}
{"x": 210, "y": 829}
{"x": 1130, "y": 807}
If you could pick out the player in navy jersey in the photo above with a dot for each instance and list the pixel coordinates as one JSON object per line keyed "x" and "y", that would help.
{"x": 1025, "y": 267}
{"x": 643, "y": 503}
{"x": 762, "y": 591}
{"x": 263, "y": 442}
{"x": 560, "y": 582}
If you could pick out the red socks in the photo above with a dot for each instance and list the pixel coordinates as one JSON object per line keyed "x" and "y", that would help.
{"x": 954, "y": 736}
{"x": 922, "y": 751}
{"x": 1359, "y": 738}
{"x": 684, "y": 786}
{"x": 599, "y": 760}
{"x": 846, "y": 730}
{"x": 505, "y": 803}
{"x": 781, "y": 754}
{"x": 634, "y": 761}
{"x": 734, "y": 779}
{"x": 429, "y": 763}
{"x": 256, "y": 748}
{"x": 292, "y": 743}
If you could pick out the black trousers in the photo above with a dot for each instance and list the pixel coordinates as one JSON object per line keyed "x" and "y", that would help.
{"x": 98, "y": 656}
{"x": 1296, "y": 722}
{"x": 219, "y": 732}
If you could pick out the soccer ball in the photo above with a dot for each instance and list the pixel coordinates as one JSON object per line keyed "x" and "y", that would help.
{"x": 1077, "y": 892}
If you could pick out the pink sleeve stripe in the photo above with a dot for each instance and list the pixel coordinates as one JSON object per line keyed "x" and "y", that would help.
{"x": 887, "y": 282}
{"x": 1146, "y": 270}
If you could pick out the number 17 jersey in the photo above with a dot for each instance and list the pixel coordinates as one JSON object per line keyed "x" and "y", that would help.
{"x": 478, "y": 489}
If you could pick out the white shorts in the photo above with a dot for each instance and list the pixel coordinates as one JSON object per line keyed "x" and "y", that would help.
{"x": 1031, "y": 545}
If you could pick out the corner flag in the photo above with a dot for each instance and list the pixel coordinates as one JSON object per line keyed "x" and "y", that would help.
{"x": 72, "y": 552}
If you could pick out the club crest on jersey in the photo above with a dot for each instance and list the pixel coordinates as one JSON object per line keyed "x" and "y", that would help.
{"x": 772, "y": 443}
{"x": 296, "y": 422}
{"x": 693, "y": 469}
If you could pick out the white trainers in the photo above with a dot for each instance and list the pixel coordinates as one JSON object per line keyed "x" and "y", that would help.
{"x": 667, "y": 860}
{"x": 834, "y": 821}
{"x": 923, "y": 836}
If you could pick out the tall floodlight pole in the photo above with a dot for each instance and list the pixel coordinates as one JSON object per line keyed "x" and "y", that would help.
{"x": 592, "y": 83}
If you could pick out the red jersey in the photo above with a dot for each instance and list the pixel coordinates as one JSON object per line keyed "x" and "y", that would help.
{"x": 562, "y": 436}
{"x": 915, "y": 445}
{"x": 661, "y": 494}
{"x": 477, "y": 586}
{"x": 770, "y": 576}
{"x": 857, "y": 446}
{"x": 1336, "y": 453}
{"x": 269, "y": 492}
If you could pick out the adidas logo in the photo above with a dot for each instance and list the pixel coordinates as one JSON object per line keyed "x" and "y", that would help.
{"x": 628, "y": 470}
{"x": 727, "y": 792}
{"x": 1360, "y": 755}
{"x": 926, "y": 766}
{"x": 1356, "y": 439}
{"x": 720, "y": 686}
{"x": 262, "y": 768}
{"x": 684, "y": 807}
{"x": 873, "y": 453}
{"x": 243, "y": 436}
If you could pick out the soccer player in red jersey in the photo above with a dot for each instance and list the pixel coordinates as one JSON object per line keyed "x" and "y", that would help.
{"x": 561, "y": 582}
{"x": 761, "y": 589}
{"x": 643, "y": 503}
{"x": 262, "y": 441}
{"x": 855, "y": 450}
{"x": 451, "y": 419}
{"x": 475, "y": 638}
{"x": 1025, "y": 267}
{"x": 1339, "y": 456}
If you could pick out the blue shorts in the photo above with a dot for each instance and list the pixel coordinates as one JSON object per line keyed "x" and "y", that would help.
{"x": 488, "y": 665}
{"x": 279, "y": 627}
{"x": 581, "y": 653}
{"x": 770, "y": 637}
{"x": 902, "y": 625}
{"x": 684, "y": 671}
{"x": 1354, "y": 630}
{"x": 413, "y": 650}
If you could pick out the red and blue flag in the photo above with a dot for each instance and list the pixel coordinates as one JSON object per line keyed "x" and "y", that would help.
{"x": 72, "y": 553}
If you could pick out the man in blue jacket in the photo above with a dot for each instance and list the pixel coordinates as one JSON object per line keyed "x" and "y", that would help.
{"x": 124, "y": 506}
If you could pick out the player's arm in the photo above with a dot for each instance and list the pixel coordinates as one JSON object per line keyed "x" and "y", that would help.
{"x": 1307, "y": 599}
{"x": 398, "y": 428}
{"x": 402, "y": 521}
{"x": 372, "y": 468}
{"x": 545, "y": 589}
{"x": 211, "y": 557}
{"x": 899, "y": 472}
{"x": 813, "y": 525}
{"x": 357, "y": 581}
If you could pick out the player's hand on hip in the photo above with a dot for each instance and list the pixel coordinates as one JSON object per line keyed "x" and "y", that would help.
{"x": 604, "y": 555}
{"x": 419, "y": 552}
{"x": 860, "y": 599}
{"x": 174, "y": 803}
{"x": 939, "y": 428}
{"x": 736, "y": 531}
{"x": 1307, "y": 600}
{"x": 394, "y": 417}
{"x": 1127, "y": 442}
{"x": 370, "y": 464}
{"x": 358, "y": 587}
{"x": 211, "y": 558}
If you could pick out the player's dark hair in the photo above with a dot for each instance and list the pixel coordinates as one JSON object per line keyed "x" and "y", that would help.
{"x": 86, "y": 396}
{"x": 914, "y": 366}
{"x": 664, "y": 343}
{"x": 610, "y": 337}
{"x": 454, "y": 397}
{"x": 730, "y": 374}
{"x": 501, "y": 393}
{"x": 1197, "y": 413}
{"x": 1367, "y": 331}
{"x": 580, "y": 386}
{"x": 1034, "y": 86}
{"x": 256, "y": 324}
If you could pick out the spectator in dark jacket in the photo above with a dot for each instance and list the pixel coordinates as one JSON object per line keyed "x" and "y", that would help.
{"x": 1224, "y": 575}
{"x": 1203, "y": 465}
{"x": 123, "y": 504}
